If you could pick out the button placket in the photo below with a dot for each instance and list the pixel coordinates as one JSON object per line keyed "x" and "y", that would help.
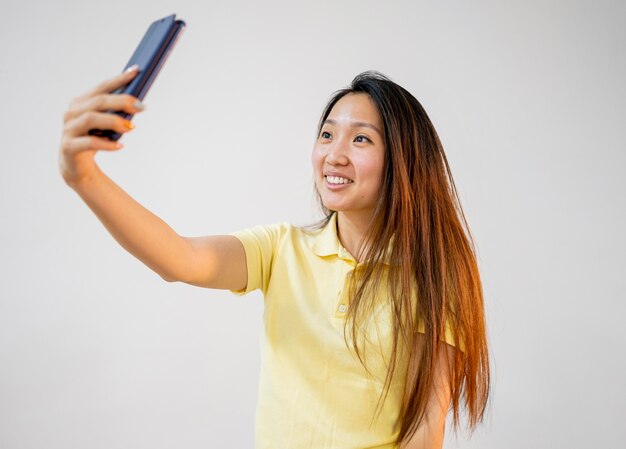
{"x": 341, "y": 308}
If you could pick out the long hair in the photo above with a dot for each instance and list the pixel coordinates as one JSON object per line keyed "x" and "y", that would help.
{"x": 433, "y": 277}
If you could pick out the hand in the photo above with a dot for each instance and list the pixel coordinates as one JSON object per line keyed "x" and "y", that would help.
{"x": 78, "y": 148}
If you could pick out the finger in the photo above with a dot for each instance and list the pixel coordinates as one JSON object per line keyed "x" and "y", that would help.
{"x": 111, "y": 84}
{"x": 85, "y": 143}
{"x": 81, "y": 124}
{"x": 106, "y": 102}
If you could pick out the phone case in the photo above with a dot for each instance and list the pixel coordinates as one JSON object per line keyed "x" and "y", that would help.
{"x": 150, "y": 55}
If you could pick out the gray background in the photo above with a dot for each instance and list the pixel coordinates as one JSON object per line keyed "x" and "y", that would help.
{"x": 528, "y": 97}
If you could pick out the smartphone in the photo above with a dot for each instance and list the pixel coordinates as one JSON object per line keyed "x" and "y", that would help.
{"x": 150, "y": 55}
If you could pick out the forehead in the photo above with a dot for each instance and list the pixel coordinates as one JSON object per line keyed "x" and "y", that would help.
{"x": 356, "y": 107}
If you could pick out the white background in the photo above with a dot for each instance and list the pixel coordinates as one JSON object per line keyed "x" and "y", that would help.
{"x": 529, "y": 100}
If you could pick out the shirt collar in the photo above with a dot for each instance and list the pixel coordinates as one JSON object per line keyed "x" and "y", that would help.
{"x": 328, "y": 243}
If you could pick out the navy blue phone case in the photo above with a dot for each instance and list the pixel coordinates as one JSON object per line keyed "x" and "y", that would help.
{"x": 150, "y": 55}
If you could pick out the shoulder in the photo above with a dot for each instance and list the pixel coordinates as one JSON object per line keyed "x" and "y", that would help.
{"x": 265, "y": 231}
{"x": 296, "y": 236}
{"x": 281, "y": 235}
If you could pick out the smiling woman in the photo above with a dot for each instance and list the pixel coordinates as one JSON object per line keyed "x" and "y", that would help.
{"x": 373, "y": 323}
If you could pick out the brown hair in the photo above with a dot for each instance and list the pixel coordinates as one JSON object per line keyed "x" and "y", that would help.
{"x": 432, "y": 259}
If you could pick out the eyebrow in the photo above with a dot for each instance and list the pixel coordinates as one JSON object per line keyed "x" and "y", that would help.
{"x": 355, "y": 125}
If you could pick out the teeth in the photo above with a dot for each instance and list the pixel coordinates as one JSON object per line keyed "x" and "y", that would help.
{"x": 337, "y": 180}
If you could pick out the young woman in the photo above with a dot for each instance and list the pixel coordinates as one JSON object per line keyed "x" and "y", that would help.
{"x": 374, "y": 321}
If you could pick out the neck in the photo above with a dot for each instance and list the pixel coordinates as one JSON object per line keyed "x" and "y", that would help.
{"x": 351, "y": 229}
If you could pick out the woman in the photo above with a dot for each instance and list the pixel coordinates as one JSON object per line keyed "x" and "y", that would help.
{"x": 374, "y": 321}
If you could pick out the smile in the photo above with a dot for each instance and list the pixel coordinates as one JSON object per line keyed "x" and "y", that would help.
{"x": 335, "y": 180}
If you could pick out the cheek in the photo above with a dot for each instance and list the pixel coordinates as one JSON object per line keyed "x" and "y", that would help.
{"x": 373, "y": 172}
{"x": 372, "y": 168}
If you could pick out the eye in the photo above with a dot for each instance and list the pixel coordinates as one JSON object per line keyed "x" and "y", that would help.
{"x": 365, "y": 139}
{"x": 325, "y": 135}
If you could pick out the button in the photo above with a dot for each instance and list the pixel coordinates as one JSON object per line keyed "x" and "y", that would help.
{"x": 342, "y": 308}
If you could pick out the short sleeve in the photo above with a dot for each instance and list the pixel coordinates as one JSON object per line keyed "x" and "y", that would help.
{"x": 448, "y": 335}
{"x": 260, "y": 244}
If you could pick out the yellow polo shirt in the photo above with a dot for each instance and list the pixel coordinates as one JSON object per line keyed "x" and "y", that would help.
{"x": 313, "y": 391}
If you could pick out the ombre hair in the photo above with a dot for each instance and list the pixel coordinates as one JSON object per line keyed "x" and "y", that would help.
{"x": 433, "y": 277}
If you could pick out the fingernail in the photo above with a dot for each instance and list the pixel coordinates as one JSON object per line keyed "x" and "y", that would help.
{"x": 128, "y": 124}
{"x": 131, "y": 68}
{"x": 139, "y": 105}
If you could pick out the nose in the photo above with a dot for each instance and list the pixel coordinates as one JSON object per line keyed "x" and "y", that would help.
{"x": 337, "y": 154}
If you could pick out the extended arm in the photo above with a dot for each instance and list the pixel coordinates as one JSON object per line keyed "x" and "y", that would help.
{"x": 211, "y": 261}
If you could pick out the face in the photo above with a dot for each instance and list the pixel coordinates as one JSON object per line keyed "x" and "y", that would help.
{"x": 348, "y": 155}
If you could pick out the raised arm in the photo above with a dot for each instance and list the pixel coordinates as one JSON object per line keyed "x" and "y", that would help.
{"x": 212, "y": 262}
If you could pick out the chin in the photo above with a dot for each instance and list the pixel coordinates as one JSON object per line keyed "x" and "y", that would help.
{"x": 336, "y": 207}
